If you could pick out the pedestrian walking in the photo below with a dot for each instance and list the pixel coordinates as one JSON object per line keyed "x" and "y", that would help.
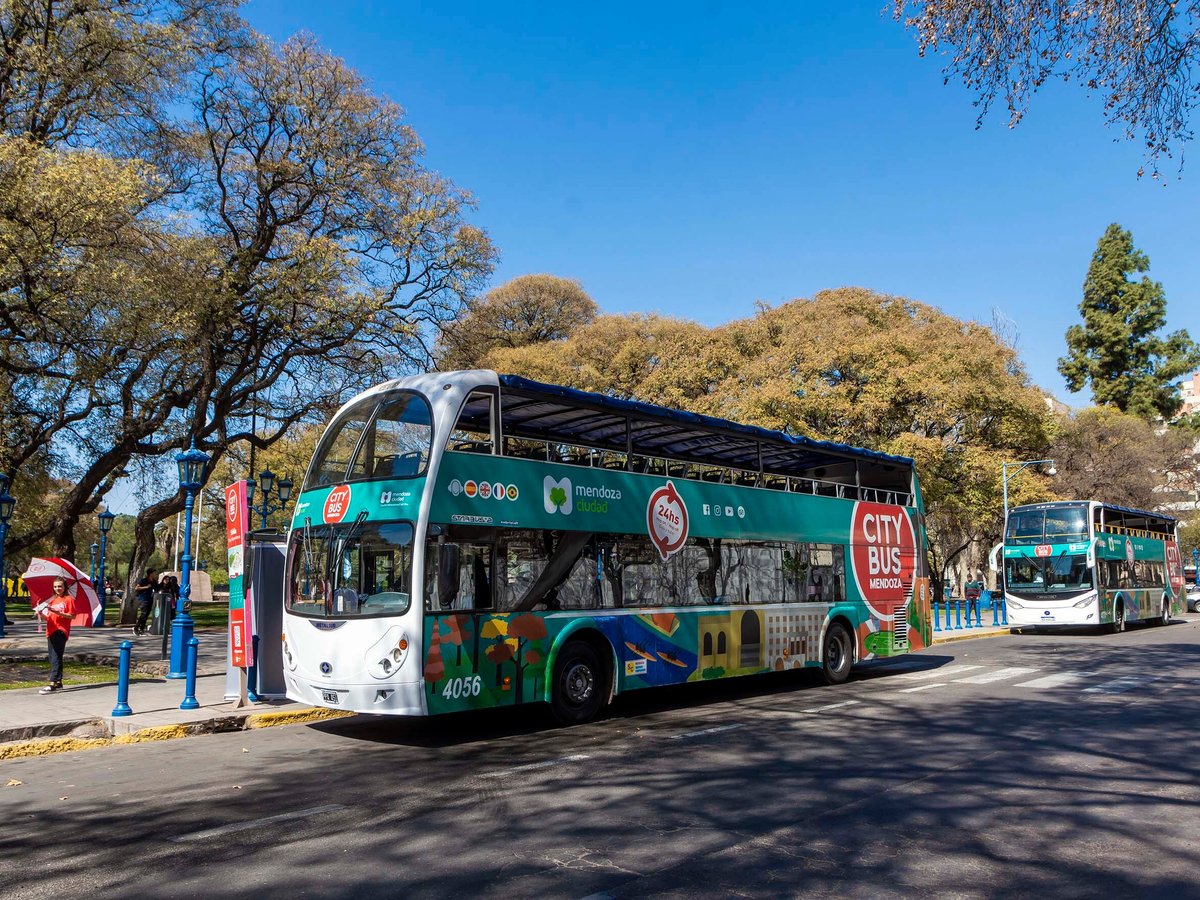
{"x": 57, "y": 613}
{"x": 144, "y": 592}
{"x": 972, "y": 591}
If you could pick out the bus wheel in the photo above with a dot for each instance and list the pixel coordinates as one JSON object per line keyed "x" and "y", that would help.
{"x": 1118, "y": 622}
{"x": 1165, "y": 618}
{"x": 837, "y": 654}
{"x": 578, "y": 691}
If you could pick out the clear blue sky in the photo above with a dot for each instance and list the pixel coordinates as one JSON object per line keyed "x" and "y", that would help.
{"x": 691, "y": 159}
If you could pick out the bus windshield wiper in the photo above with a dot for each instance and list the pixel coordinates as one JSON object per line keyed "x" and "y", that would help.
{"x": 340, "y": 548}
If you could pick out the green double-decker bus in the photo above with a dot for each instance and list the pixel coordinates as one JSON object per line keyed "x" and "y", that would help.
{"x": 467, "y": 540}
{"x": 1086, "y": 563}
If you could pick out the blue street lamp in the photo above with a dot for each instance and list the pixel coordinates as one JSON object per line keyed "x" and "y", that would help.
{"x": 7, "y": 504}
{"x": 193, "y": 465}
{"x": 105, "y": 520}
{"x": 1196, "y": 564}
{"x": 266, "y": 483}
{"x": 95, "y": 549}
{"x": 1020, "y": 466}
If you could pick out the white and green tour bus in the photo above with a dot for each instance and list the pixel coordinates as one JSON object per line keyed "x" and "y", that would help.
{"x": 1082, "y": 562}
{"x": 466, "y": 540}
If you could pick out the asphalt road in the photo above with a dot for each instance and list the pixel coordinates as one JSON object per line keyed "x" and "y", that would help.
{"x": 1023, "y": 766}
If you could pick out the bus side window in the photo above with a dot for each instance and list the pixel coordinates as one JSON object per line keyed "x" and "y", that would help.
{"x": 473, "y": 431}
{"x": 465, "y": 576}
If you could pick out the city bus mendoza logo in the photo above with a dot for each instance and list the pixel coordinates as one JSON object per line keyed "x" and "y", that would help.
{"x": 337, "y": 503}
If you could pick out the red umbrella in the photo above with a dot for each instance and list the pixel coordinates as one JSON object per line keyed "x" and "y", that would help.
{"x": 39, "y": 580}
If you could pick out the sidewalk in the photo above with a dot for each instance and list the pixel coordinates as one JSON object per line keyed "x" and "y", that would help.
{"x": 85, "y": 711}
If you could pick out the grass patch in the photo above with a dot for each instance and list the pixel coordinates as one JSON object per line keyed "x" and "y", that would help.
{"x": 210, "y": 615}
{"x": 36, "y": 673}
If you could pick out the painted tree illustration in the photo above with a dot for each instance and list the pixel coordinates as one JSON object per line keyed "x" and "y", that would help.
{"x": 435, "y": 669}
{"x": 455, "y": 635}
{"x": 526, "y": 628}
{"x": 500, "y": 653}
{"x": 493, "y": 630}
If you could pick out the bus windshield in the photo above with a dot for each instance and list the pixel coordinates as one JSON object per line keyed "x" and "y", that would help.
{"x": 350, "y": 570}
{"x": 1054, "y": 525}
{"x": 384, "y": 436}
{"x": 1051, "y": 575}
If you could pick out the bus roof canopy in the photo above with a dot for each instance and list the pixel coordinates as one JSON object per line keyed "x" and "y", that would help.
{"x": 547, "y": 411}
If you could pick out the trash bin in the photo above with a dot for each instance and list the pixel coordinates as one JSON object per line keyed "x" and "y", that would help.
{"x": 160, "y": 615}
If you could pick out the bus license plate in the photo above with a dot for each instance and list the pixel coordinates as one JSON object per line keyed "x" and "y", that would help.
{"x": 330, "y": 696}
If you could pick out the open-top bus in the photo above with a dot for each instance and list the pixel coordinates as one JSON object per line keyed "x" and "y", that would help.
{"x": 1082, "y": 562}
{"x": 466, "y": 540}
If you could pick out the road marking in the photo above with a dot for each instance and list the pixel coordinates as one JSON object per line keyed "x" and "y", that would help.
{"x": 1121, "y": 685}
{"x": 942, "y": 672}
{"x": 705, "y": 731}
{"x": 255, "y": 823}
{"x": 998, "y": 675}
{"x": 1053, "y": 681}
{"x": 529, "y": 767}
{"x": 922, "y": 687}
{"x": 816, "y": 709}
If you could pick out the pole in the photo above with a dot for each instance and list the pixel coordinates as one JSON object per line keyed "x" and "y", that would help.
{"x": 182, "y": 628}
{"x": 103, "y": 589}
{"x": 199, "y": 522}
{"x": 122, "y": 707}
{"x": 175, "y": 567}
{"x": 3, "y": 579}
{"x": 1004, "y": 478}
{"x": 189, "y": 690}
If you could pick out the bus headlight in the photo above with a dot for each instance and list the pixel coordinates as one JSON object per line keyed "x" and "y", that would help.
{"x": 1013, "y": 604}
{"x": 1086, "y": 601}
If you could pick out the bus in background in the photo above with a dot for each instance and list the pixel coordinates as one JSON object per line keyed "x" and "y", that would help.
{"x": 1082, "y": 562}
{"x": 467, "y": 540}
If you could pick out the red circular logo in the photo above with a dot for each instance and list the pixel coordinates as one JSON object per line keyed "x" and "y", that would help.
{"x": 337, "y": 503}
{"x": 883, "y": 553}
{"x": 667, "y": 520}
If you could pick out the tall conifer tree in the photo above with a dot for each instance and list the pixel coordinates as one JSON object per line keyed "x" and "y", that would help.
{"x": 1119, "y": 349}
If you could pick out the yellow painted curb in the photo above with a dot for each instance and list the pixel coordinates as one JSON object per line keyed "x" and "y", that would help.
{"x": 293, "y": 717}
{"x": 50, "y": 746}
{"x": 969, "y": 637}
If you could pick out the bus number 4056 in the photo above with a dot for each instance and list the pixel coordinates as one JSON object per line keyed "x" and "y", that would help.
{"x": 463, "y": 687}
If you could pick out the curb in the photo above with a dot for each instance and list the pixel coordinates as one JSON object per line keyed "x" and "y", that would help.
{"x": 47, "y": 744}
{"x": 970, "y": 637}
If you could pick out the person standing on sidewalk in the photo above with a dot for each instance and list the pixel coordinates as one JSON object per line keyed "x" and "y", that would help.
{"x": 144, "y": 592}
{"x": 57, "y": 613}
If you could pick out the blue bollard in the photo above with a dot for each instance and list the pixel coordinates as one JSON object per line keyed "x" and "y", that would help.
{"x": 252, "y": 672}
{"x": 122, "y": 707}
{"x": 189, "y": 699}
{"x": 958, "y": 615}
{"x": 995, "y": 609}
{"x": 979, "y": 613}
{"x": 1003, "y": 611}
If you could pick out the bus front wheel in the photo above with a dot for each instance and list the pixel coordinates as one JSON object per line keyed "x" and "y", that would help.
{"x": 1165, "y": 618}
{"x": 578, "y": 692}
{"x": 837, "y": 654}
{"x": 1118, "y": 622}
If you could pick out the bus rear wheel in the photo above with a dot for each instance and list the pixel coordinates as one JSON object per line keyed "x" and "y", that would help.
{"x": 1165, "y": 618}
{"x": 837, "y": 654}
{"x": 578, "y": 688}
{"x": 1118, "y": 622}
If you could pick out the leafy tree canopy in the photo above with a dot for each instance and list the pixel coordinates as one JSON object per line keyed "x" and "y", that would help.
{"x": 1119, "y": 349}
{"x": 1137, "y": 56}
{"x": 1104, "y": 454}
{"x": 529, "y": 309}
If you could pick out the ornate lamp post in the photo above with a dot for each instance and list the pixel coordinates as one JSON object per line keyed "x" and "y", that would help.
{"x": 105, "y": 520}
{"x": 193, "y": 465}
{"x": 267, "y": 483}
{"x": 95, "y": 550}
{"x": 7, "y": 505}
{"x": 1020, "y": 466}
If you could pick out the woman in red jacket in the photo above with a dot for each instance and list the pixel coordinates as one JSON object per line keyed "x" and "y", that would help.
{"x": 57, "y": 613}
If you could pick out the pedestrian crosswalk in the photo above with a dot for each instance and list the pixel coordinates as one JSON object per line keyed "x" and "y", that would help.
{"x": 1031, "y": 679}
